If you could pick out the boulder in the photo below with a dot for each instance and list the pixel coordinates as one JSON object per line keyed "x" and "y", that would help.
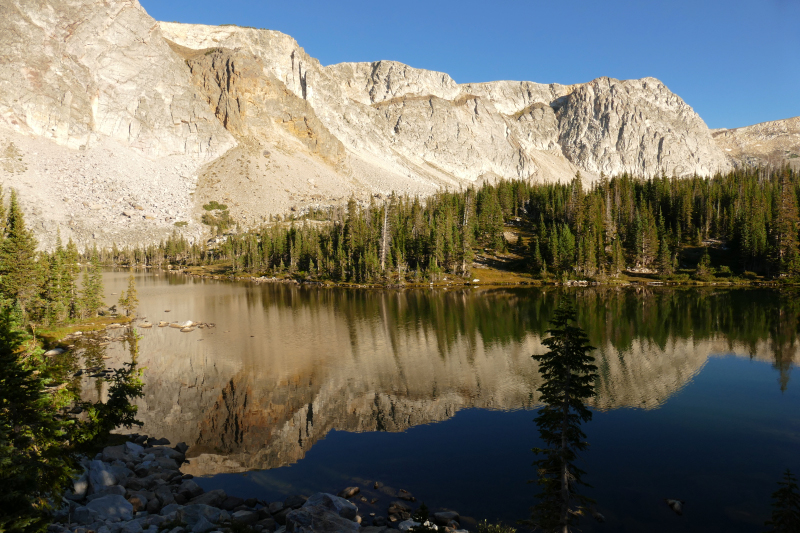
{"x": 54, "y": 351}
{"x": 120, "y": 471}
{"x": 231, "y": 503}
{"x": 338, "y": 505}
{"x": 84, "y": 515}
{"x": 191, "y": 488}
{"x": 191, "y": 514}
{"x": 245, "y": 517}
{"x": 294, "y": 502}
{"x": 100, "y": 476}
{"x": 275, "y": 507}
{"x": 443, "y": 518}
{"x": 113, "y": 507}
{"x": 131, "y": 448}
{"x": 349, "y": 492}
{"x": 165, "y": 495}
{"x": 79, "y": 487}
{"x": 251, "y": 502}
{"x": 115, "y": 453}
{"x": 169, "y": 509}
{"x": 108, "y": 491}
{"x": 166, "y": 463}
{"x": 134, "y": 526}
{"x": 153, "y": 506}
{"x": 405, "y": 525}
{"x": 318, "y": 519}
{"x": 181, "y": 447}
{"x": 213, "y": 498}
{"x": 202, "y": 525}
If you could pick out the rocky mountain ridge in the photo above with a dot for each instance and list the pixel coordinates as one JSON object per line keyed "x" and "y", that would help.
{"x": 138, "y": 123}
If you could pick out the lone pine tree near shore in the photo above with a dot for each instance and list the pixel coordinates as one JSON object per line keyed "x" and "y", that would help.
{"x": 569, "y": 374}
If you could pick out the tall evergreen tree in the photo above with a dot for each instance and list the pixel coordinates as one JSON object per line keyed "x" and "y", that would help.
{"x": 785, "y": 506}
{"x": 569, "y": 375}
{"x": 92, "y": 296}
{"x": 19, "y": 269}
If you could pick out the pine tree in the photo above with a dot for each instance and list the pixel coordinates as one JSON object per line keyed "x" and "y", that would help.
{"x": 665, "y": 264}
{"x": 704, "y": 266}
{"x": 785, "y": 506}
{"x": 33, "y": 468}
{"x": 569, "y": 374}
{"x": 92, "y": 296}
{"x": 786, "y": 225}
{"x": 19, "y": 269}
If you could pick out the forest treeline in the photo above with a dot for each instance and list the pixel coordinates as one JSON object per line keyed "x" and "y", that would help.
{"x": 741, "y": 223}
{"x": 46, "y": 286}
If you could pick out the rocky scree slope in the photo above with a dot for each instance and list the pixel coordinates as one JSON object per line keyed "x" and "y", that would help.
{"x": 114, "y": 126}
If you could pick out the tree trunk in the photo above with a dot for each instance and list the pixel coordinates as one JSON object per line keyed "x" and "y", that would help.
{"x": 564, "y": 471}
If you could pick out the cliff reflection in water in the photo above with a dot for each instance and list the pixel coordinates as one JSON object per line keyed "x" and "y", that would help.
{"x": 285, "y": 365}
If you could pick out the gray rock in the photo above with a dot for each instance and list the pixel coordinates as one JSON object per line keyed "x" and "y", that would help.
{"x": 100, "y": 476}
{"x": 84, "y": 515}
{"x": 245, "y": 517}
{"x": 191, "y": 514}
{"x": 231, "y": 503}
{"x": 213, "y": 498}
{"x": 113, "y": 508}
{"x": 193, "y": 489}
{"x": 165, "y": 495}
{"x": 405, "y": 525}
{"x": 120, "y": 472}
{"x": 79, "y": 487}
{"x": 114, "y": 489}
{"x": 131, "y": 448}
{"x": 172, "y": 508}
{"x": 338, "y": 505}
{"x": 153, "y": 506}
{"x": 166, "y": 463}
{"x": 181, "y": 447}
{"x": 169, "y": 453}
{"x": 202, "y": 525}
{"x": 178, "y": 529}
{"x": 318, "y": 519}
{"x": 115, "y": 453}
{"x": 275, "y": 507}
{"x": 134, "y": 526}
{"x": 294, "y": 502}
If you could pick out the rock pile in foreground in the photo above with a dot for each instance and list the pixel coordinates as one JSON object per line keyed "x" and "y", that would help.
{"x": 138, "y": 487}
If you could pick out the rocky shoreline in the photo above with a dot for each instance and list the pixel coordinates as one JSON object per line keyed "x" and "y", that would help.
{"x": 138, "y": 487}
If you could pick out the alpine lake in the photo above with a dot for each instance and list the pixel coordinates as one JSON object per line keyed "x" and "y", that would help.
{"x": 300, "y": 389}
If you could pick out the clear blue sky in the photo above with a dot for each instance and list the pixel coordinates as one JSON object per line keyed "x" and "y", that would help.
{"x": 736, "y": 62}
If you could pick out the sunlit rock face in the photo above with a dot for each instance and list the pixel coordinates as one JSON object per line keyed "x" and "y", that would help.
{"x": 285, "y": 366}
{"x": 121, "y": 110}
{"x": 775, "y": 143}
{"x": 74, "y": 71}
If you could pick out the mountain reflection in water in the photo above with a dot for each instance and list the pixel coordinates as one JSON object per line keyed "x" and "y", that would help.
{"x": 285, "y": 365}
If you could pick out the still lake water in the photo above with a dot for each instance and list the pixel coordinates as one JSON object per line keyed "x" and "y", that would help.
{"x": 299, "y": 390}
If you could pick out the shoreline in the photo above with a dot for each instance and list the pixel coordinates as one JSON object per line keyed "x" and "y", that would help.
{"x": 464, "y": 284}
{"x": 138, "y": 487}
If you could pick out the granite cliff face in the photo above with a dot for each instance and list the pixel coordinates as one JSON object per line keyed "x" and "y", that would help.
{"x": 194, "y": 113}
{"x": 773, "y": 143}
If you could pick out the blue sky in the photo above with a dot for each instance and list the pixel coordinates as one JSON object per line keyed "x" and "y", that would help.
{"x": 736, "y": 62}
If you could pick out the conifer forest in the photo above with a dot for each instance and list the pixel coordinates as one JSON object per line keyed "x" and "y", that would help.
{"x": 743, "y": 225}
